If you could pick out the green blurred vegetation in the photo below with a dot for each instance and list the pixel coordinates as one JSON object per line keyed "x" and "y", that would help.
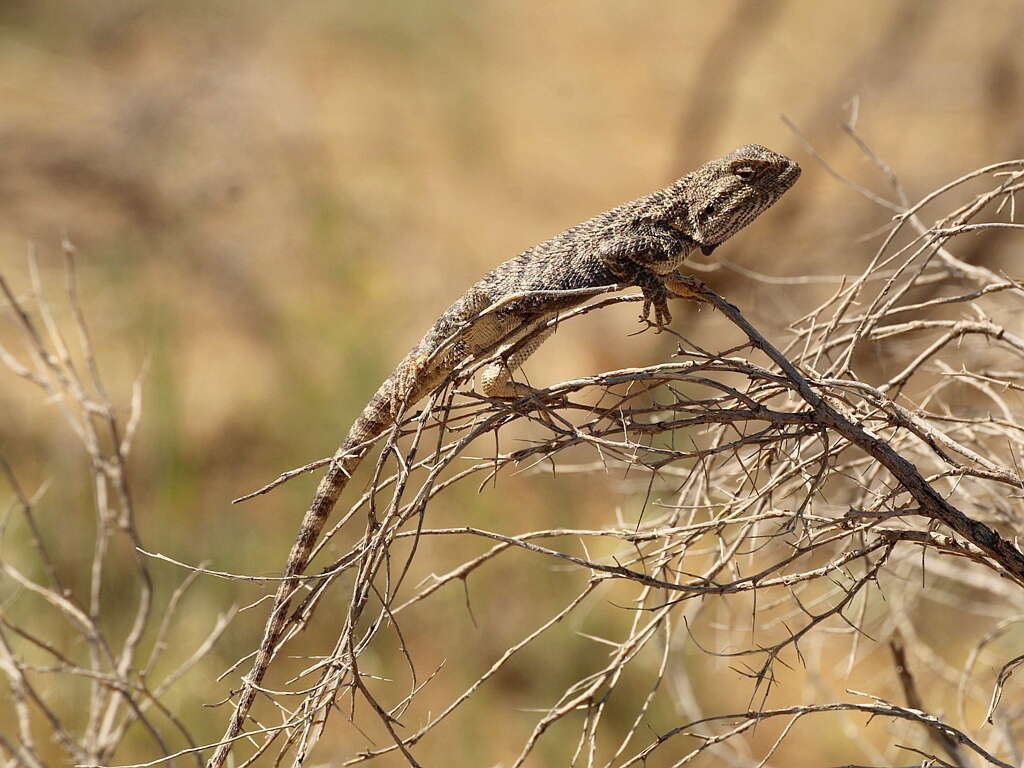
{"x": 272, "y": 202}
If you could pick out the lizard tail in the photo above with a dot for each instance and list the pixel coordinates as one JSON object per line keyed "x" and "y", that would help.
{"x": 376, "y": 417}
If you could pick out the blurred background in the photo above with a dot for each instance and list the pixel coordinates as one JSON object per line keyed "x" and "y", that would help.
{"x": 272, "y": 203}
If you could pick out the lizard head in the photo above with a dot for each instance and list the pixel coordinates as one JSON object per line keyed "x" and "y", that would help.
{"x": 721, "y": 197}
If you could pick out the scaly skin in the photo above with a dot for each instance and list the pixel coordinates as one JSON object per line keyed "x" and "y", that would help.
{"x": 640, "y": 243}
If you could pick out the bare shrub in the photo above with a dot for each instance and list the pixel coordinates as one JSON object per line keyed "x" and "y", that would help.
{"x": 804, "y": 505}
{"x": 117, "y": 651}
{"x": 823, "y": 496}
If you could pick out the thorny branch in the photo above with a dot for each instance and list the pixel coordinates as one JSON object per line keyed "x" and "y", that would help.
{"x": 791, "y": 505}
{"x": 801, "y": 484}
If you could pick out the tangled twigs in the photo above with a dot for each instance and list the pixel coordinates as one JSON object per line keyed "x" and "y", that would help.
{"x": 745, "y": 526}
{"x": 754, "y": 436}
{"x": 117, "y": 646}
{"x": 745, "y": 721}
{"x": 1008, "y": 556}
{"x": 806, "y": 431}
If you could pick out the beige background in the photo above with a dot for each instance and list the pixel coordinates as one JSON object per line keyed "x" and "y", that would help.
{"x": 272, "y": 202}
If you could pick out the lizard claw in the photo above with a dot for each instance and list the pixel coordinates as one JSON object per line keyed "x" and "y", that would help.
{"x": 656, "y": 296}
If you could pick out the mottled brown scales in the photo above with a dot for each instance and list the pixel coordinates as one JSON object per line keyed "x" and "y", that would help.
{"x": 640, "y": 243}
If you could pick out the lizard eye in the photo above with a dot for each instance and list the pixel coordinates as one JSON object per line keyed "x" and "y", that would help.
{"x": 744, "y": 172}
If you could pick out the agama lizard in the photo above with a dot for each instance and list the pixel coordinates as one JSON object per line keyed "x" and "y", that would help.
{"x": 640, "y": 243}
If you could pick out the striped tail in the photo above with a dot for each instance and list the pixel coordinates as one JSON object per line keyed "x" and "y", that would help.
{"x": 376, "y": 417}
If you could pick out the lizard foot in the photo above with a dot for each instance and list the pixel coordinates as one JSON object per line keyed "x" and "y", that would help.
{"x": 656, "y": 296}
{"x": 496, "y": 383}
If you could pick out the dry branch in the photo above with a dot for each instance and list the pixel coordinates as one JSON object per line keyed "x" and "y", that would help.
{"x": 791, "y": 504}
{"x": 841, "y": 451}
{"x": 124, "y": 693}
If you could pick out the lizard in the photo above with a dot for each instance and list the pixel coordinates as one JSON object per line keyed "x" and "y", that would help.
{"x": 640, "y": 243}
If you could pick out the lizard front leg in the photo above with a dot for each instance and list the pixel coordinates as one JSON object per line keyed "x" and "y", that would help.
{"x": 655, "y": 295}
{"x": 653, "y": 286}
{"x": 635, "y": 258}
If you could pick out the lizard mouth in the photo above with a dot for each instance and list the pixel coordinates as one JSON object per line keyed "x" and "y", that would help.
{"x": 790, "y": 175}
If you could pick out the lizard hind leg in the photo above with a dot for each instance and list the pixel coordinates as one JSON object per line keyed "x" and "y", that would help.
{"x": 496, "y": 381}
{"x": 495, "y": 378}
